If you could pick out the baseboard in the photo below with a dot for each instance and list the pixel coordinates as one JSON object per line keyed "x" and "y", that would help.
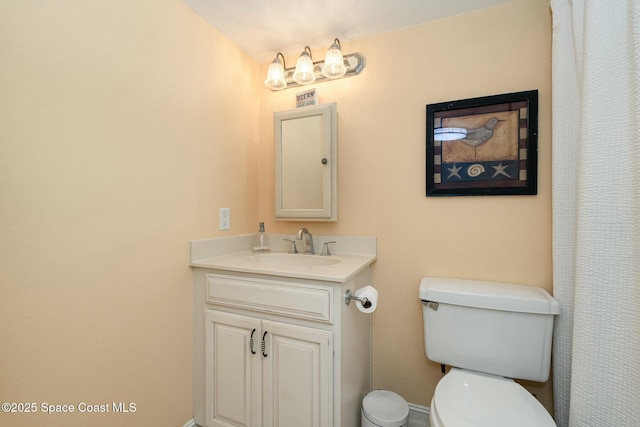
{"x": 418, "y": 416}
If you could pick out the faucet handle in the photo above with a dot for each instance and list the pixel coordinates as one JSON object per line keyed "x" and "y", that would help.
{"x": 325, "y": 248}
{"x": 294, "y": 249}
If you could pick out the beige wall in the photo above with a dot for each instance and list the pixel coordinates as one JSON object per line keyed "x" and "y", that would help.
{"x": 124, "y": 126}
{"x": 381, "y": 116}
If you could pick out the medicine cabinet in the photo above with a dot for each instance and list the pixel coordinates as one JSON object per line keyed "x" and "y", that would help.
{"x": 305, "y": 141}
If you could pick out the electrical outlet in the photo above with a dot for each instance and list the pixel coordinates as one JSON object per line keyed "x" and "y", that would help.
{"x": 225, "y": 218}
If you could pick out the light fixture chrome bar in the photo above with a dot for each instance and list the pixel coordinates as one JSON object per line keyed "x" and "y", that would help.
{"x": 354, "y": 63}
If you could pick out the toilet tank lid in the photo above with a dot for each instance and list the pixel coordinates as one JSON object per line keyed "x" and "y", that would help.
{"x": 488, "y": 295}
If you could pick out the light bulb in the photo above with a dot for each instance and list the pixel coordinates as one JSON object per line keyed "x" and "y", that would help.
{"x": 275, "y": 75}
{"x": 304, "y": 73}
{"x": 334, "y": 62}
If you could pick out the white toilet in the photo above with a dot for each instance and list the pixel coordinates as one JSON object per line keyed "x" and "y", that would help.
{"x": 488, "y": 333}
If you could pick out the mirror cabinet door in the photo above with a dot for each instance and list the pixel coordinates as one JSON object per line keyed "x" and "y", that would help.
{"x": 306, "y": 163}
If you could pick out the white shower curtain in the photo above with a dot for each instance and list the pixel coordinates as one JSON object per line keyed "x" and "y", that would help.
{"x": 596, "y": 211}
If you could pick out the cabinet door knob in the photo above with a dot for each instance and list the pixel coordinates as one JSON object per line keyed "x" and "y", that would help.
{"x": 324, "y": 161}
{"x": 251, "y": 341}
{"x": 263, "y": 344}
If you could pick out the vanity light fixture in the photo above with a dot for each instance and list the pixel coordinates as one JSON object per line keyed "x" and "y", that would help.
{"x": 334, "y": 66}
{"x": 275, "y": 76}
{"x": 449, "y": 134}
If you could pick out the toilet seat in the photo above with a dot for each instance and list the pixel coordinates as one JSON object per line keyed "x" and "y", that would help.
{"x": 472, "y": 399}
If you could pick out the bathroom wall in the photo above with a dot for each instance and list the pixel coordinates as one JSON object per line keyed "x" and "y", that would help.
{"x": 381, "y": 116}
{"x": 124, "y": 126}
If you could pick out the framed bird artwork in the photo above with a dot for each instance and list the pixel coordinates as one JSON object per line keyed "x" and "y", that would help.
{"x": 483, "y": 146}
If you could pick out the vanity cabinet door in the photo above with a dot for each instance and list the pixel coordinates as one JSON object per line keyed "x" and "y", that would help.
{"x": 232, "y": 370}
{"x": 285, "y": 382}
{"x": 297, "y": 375}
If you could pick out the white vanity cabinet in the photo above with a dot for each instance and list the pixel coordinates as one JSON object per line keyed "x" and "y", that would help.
{"x": 286, "y": 372}
{"x": 273, "y": 351}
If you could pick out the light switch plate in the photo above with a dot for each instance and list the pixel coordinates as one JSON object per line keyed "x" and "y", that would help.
{"x": 225, "y": 218}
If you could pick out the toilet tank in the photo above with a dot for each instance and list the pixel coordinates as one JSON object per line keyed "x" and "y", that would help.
{"x": 496, "y": 328}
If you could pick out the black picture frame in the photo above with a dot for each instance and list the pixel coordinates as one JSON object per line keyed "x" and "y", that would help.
{"x": 499, "y": 155}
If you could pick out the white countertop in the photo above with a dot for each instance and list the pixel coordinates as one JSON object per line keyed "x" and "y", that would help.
{"x": 347, "y": 266}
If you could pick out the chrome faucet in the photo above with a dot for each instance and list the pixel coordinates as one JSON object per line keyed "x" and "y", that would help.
{"x": 307, "y": 241}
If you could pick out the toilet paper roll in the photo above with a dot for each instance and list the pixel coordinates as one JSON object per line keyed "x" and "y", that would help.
{"x": 371, "y": 294}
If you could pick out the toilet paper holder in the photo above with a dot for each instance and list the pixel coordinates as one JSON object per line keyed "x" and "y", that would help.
{"x": 348, "y": 296}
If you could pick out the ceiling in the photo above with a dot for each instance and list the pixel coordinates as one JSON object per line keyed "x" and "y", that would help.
{"x": 264, "y": 27}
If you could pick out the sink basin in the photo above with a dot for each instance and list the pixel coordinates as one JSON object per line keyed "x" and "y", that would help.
{"x": 294, "y": 260}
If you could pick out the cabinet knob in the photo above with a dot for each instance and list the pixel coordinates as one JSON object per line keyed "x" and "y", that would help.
{"x": 324, "y": 161}
{"x": 264, "y": 345}
{"x": 251, "y": 341}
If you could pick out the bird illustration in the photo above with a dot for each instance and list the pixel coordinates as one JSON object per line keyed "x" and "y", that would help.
{"x": 478, "y": 136}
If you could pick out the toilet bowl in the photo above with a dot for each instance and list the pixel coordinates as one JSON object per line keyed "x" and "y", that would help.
{"x": 472, "y": 399}
{"x": 384, "y": 408}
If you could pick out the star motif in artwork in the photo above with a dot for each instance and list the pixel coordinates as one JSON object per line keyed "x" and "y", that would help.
{"x": 500, "y": 170}
{"x": 454, "y": 171}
